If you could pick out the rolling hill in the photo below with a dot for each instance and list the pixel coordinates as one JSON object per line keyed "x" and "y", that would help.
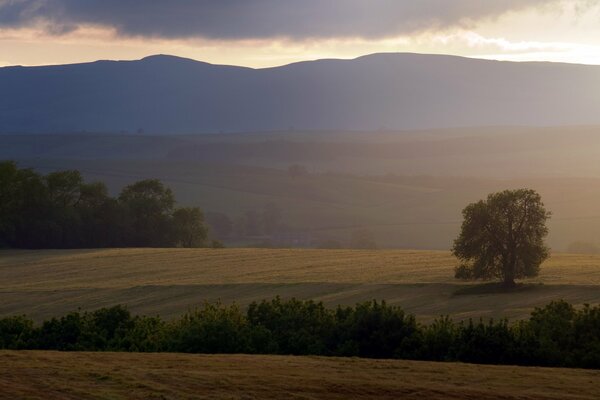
{"x": 77, "y": 375}
{"x": 165, "y": 94}
{"x": 47, "y": 283}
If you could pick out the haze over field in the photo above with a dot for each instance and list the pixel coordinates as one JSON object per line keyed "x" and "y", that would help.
{"x": 406, "y": 188}
{"x": 305, "y": 194}
{"x": 503, "y": 124}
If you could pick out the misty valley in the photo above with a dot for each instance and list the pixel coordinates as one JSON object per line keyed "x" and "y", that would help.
{"x": 260, "y": 200}
{"x": 397, "y": 189}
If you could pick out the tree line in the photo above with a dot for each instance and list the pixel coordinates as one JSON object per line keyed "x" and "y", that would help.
{"x": 557, "y": 335}
{"x": 61, "y": 210}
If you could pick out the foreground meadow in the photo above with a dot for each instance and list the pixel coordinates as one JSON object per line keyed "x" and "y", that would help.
{"x": 46, "y": 283}
{"x": 54, "y": 375}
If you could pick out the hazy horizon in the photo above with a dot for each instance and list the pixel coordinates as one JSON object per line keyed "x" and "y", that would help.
{"x": 349, "y": 58}
{"x": 268, "y": 33}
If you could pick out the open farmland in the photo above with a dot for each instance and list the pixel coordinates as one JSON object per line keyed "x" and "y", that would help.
{"x": 168, "y": 282}
{"x": 53, "y": 375}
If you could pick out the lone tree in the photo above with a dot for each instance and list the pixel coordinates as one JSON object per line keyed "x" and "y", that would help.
{"x": 502, "y": 237}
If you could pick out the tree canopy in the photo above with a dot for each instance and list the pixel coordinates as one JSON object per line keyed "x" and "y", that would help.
{"x": 503, "y": 237}
{"x": 61, "y": 210}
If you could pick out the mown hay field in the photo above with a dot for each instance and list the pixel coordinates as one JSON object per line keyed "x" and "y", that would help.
{"x": 168, "y": 282}
{"x": 48, "y": 375}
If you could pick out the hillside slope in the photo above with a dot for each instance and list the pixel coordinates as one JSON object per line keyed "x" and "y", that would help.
{"x": 52, "y": 375}
{"x": 393, "y": 91}
{"x": 169, "y": 282}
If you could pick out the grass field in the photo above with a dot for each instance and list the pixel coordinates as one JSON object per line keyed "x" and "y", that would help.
{"x": 168, "y": 282}
{"x": 53, "y": 375}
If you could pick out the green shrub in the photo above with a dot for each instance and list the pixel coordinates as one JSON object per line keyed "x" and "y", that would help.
{"x": 555, "y": 335}
{"x": 213, "y": 328}
{"x": 15, "y": 332}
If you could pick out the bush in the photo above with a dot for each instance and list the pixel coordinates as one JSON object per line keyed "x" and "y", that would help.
{"x": 484, "y": 343}
{"x": 147, "y": 334}
{"x": 292, "y": 327}
{"x": 15, "y": 332}
{"x": 375, "y": 330}
{"x": 211, "y": 329}
{"x": 555, "y": 335}
{"x": 438, "y": 340}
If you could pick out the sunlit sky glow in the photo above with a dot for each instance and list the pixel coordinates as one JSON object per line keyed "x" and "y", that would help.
{"x": 263, "y": 33}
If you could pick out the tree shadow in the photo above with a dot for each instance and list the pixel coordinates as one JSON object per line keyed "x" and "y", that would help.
{"x": 496, "y": 288}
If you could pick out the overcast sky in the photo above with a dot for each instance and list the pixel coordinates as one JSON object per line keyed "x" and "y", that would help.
{"x": 261, "y": 33}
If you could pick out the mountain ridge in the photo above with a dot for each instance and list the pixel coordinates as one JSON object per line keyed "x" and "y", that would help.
{"x": 393, "y": 91}
{"x": 173, "y": 57}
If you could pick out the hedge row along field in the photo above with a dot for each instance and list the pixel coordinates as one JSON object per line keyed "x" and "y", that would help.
{"x": 555, "y": 335}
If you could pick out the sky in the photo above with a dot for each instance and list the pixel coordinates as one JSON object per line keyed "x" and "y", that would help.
{"x": 265, "y": 33}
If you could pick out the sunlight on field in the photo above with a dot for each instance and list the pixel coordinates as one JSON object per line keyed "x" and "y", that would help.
{"x": 114, "y": 268}
{"x": 168, "y": 282}
{"x": 127, "y": 267}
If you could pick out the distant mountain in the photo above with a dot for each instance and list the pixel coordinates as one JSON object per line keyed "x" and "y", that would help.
{"x": 164, "y": 94}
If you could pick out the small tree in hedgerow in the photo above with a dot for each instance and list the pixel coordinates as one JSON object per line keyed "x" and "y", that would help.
{"x": 502, "y": 237}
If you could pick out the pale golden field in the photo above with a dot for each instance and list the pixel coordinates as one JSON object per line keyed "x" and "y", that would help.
{"x": 53, "y": 375}
{"x": 170, "y": 281}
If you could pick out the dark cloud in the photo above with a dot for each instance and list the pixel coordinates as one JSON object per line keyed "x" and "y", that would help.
{"x": 241, "y": 19}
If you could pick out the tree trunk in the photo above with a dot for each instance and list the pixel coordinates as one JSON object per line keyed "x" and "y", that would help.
{"x": 509, "y": 281}
{"x": 509, "y": 274}
{"x": 510, "y": 267}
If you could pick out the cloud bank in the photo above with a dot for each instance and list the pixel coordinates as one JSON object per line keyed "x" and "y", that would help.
{"x": 256, "y": 19}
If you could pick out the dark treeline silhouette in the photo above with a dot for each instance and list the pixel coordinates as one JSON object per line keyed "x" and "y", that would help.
{"x": 555, "y": 335}
{"x": 60, "y": 210}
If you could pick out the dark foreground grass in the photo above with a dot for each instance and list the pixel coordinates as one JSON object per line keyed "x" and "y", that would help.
{"x": 56, "y": 375}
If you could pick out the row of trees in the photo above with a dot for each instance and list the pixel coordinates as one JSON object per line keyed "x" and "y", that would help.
{"x": 556, "y": 335}
{"x": 60, "y": 210}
